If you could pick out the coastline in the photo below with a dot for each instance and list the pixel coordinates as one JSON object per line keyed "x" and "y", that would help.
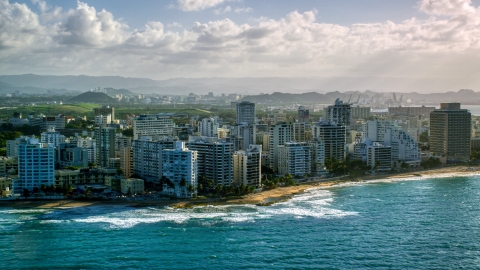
{"x": 263, "y": 198}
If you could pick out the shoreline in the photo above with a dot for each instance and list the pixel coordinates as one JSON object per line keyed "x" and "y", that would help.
{"x": 263, "y": 198}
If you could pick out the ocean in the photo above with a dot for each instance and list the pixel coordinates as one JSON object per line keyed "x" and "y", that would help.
{"x": 415, "y": 224}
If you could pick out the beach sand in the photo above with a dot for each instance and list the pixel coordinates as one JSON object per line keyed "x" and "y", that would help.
{"x": 262, "y": 198}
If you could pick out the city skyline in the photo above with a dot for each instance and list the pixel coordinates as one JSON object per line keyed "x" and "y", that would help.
{"x": 411, "y": 39}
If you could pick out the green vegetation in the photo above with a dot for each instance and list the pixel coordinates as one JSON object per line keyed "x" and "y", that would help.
{"x": 81, "y": 109}
{"x": 424, "y": 137}
{"x": 271, "y": 182}
{"x": 353, "y": 168}
{"x": 431, "y": 163}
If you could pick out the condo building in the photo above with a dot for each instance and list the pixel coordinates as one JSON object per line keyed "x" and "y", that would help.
{"x": 155, "y": 126}
{"x": 294, "y": 159}
{"x": 247, "y": 166}
{"x": 450, "y": 132}
{"x": 246, "y": 112}
{"x": 36, "y": 165}
{"x": 180, "y": 165}
{"x": 147, "y": 158}
{"x": 334, "y": 138}
{"x": 105, "y": 137}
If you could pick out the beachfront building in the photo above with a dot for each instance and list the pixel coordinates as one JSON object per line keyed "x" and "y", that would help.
{"x": 132, "y": 186}
{"x": 36, "y": 165}
{"x": 247, "y": 166}
{"x": 339, "y": 113}
{"x": 156, "y": 126}
{"x": 450, "y": 132}
{"x": 180, "y": 166}
{"x": 294, "y": 159}
{"x": 147, "y": 158}
{"x": 379, "y": 157}
{"x": 334, "y": 138}
{"x": 280, "y": 133}
{"x": 215, "y": 159}
{"x": 317, "y": 148}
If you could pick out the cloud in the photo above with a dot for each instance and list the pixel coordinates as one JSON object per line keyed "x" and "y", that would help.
{"x": 223, "y": 10}
{"x": 446, "y": 7}
{"x": 86, "y": 26}
{"x": 243, "y": 10}
{"x": 295, "y": 45}
{"x": 196, "y": 5}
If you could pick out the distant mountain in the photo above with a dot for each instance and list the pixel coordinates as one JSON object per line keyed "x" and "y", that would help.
{"x": 112, "y": 92}
{"x": 413, "y": 87}
{"x": 81, "y": 82}
{"x": 93, "y": 97}
{"x": 465, "y": 96}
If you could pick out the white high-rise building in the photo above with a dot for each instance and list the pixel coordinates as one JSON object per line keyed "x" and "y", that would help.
{"x": 247, "y": 132}
{"x": 208, "y": 127}
{"x": 404, "y": 147}
{"x": 180, "y": 165}
{"x": 51, "y": 136}
{"x": 318, "y": 157}
{"x": 280, "y": 134}
{"x": 215, "y": 159}
{"x": 12, "y": 145}
{"x": 36, "y": 165}
{"x": 294, "y": 159}
{"x": 103, "y": 119}
{"x": 247, "y": 166}
{"x": 155, "y": 126}
{"x": 147, "y": 158}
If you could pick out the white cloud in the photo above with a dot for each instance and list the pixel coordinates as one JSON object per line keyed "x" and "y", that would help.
{"x": 86, "y": 26}
{"x": 242, "y": 10}
{"x": 175, "y": 24}
{"x": 294, "y": 45}
{"x": 223, "y": 10}
{"x": 446, "y": 7}
{"x": 196, "y": 5}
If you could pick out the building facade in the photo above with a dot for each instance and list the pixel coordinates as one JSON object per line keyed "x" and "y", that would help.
{"x": 246, "y": 112}
{"x": 180, "y": 165}
{"x": 247, "y": 166}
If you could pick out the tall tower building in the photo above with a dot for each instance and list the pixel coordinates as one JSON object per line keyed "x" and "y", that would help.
{"x": 246, "y": 112}
{"x": 450, "y": 132}
{"x": 147, "y": 158}
{"x": 51, "y": 136}
{"x": 339, "y": 113}
{"x": 208, "y": 127}
{"x": 36, "y": 165}
{"x": 294, "y": 159}
{"x": 333, "y": 137}
{"x": 215, "y": 160}
{"x": 303, "y": 115}
{"x": 105, "y": 143}
{"x": 279, "y": 134}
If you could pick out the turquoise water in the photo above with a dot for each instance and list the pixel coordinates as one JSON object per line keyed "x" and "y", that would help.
{"x": 418, "y": 224}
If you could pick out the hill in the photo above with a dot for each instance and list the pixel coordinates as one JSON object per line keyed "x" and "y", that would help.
{"x": 93, "y": 97}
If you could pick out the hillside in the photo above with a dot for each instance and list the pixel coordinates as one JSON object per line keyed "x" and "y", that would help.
{"x": 93, "y": 97}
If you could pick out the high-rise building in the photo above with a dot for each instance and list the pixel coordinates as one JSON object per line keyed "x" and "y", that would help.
{"x": 36, "y": 165}
{"x": 105, "y": 111}
{"x": 51, "y": 136}
{"x": 333, "y": 136}
{"x": 339, "y": 113}
{"x": 317, "y": 148}
{"x": 360, "y": 112}
{"x": 247, "y": 166}
{"x": 379, "y": 157}
{"x": 450, "y": 132}
{"x": 105, "y": 142}
{"x": 303, "y": 115}
{"x": 126, "y": 160}
{"x": 247, "y": 132}
{"x": 208, "y": 127}
{"x": 294, "y": 159}
{"x": 147, "y": 158}
{"x": 156, "y": 126}
{"x": 246, "y": 112}
{"x": 280, "y": 134}
{"x": 404, "y": 148}
{"x": 215, "y": 159}
{"x": 180, "y": 166}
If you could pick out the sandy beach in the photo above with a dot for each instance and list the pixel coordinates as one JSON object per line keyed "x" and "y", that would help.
{"x": 267, "y": 197}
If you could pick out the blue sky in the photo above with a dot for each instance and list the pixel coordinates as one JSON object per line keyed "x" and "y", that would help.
{"x": 235, "y": 38}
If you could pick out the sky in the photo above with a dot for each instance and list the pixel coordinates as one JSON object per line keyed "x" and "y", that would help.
{"x": 242, "y": 38}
